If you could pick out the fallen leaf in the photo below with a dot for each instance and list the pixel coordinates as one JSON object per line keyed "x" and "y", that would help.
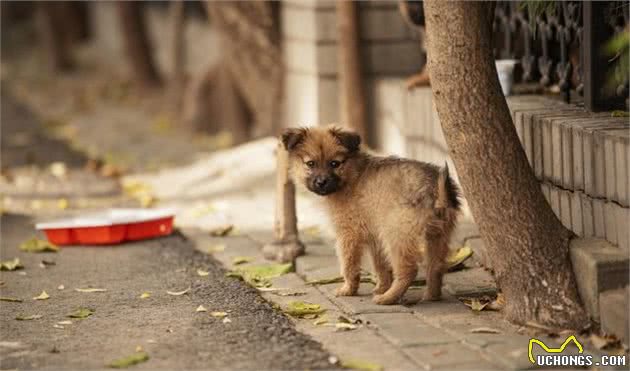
{"x": 201, "y": 308}
{"x": 475, "y": 304}
{"x": 36, "y": 204}
{"x": 139, "y": 349}
{"x": 57, "y": 326}
{"x": 458, "y": 256}
{"x": 58, "y": 169}
{"x": 269, "y": 289}
{"x": 61, "y": 287}
{"x": 215, "y": 248}
{"x": 37, "y": 245}
{"x": 299, "y": 309}
{"x": 226, "y": 320}
{"x": 341, "y": 326}
{"x": 365, "y": 278}
{"x": 320, "y": 321}
{"x": 131, "y": 360}
{"x": 295, "y": 293}
{"x": 310, "y": 316}
{"x": 485, "y": 330}
{"x": 603, "y": 342}
{"x": 11, "y": 300}
{"x": 145, "y": 295}
{"x": 218, "y": 314}
{"x": 47, "y": 263}
{"x": 222, "y": 231}
{"x": 89, "y": 289}
{"x": 42, "y": 296}
{"x": 142, "y": 192}
{"x": 29, "y": 318}
{"x": 178, "y": 293}
{"x": 202, "y": 273}
{"x": 241, "y": 260}
{"x": 355, "y": 364}
{"x": 344, "y": 319}
{"x": 11, "y": 265}
{"x": 62, "y": 203}
{"x": 498, "y": 303}
{"x": 81, "y": 313}
{"x": 64, "y": 323}
{"x": 260, "y": 275}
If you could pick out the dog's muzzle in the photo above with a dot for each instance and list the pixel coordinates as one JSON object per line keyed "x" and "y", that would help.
{"x": 323, "y": 185}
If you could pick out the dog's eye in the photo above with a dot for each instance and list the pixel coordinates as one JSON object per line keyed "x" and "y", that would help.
{"x": 310, "y": 164}
{"x": 334, "y": 164}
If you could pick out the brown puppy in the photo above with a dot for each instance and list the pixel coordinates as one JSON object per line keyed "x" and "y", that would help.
{"x": 397, "y": 209}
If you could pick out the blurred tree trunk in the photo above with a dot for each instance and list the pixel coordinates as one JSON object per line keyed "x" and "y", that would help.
{"x": 76, "y": 20}
{"x": 252, "y": 66}
{"x": 352, "y": 92}
{"x": 54, "y": 35}
{"x": 137, "y": 44}
{"x": 178, "y": 44}
{"x": 529, "y": 245}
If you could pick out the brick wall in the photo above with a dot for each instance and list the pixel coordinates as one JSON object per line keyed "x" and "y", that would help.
{"x": 580, "y": 158}
{"x": 309, "y": 31}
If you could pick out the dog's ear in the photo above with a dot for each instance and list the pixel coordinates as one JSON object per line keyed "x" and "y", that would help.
{"x": 292, "y": 137}
{"x": 348, "y": 139}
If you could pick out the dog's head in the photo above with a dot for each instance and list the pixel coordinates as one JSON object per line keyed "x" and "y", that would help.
{"x": 322, "y": 158}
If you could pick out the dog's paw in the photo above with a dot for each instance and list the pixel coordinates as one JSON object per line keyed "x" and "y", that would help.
{"x": 346, "y": 290}
{"x": 379, "y": 289}
{"x": 384, "y": 299}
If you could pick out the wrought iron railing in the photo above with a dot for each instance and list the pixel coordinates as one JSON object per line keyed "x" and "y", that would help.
{"x": 562, "y": 46}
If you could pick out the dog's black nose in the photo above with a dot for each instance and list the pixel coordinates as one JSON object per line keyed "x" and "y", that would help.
{"x": 321, "y": 182}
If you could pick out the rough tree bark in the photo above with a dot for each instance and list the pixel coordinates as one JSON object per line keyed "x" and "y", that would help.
{"x": 137, "y": 45}
{"x": 350, "y": 70}
{"x": 527, "y": 241}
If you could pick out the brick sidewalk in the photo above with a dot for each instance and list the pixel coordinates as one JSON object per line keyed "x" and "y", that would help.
{"x": 416, "y": 335}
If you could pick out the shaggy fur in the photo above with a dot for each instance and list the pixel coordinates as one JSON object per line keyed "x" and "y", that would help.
{"x": 396, "y": 209}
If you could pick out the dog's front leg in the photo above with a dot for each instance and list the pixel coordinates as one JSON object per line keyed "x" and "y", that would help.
{"x": 349, "y": 253}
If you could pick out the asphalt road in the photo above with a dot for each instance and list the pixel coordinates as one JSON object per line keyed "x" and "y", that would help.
{"x": 167, "y": 327}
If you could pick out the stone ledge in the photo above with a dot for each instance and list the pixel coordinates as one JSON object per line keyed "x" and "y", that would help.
{"x": 598, "y": 267}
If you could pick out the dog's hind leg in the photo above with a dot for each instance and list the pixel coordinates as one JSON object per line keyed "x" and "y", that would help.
{"x": 404, "y": 257}
{"x": 382, "y": 268}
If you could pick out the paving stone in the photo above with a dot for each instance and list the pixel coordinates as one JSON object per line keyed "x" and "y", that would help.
{"x": 598, "y": 266}
{"x": 577, "y": 223}
{"x": 623, "y": 227}
{"x": 316, "y": 257}
{"x": 599, "y": 224}
{"x": 448, "y": 356}
{"x": 470, "y": 282}
{"x": 565, "y": 208}
{"x": 613, "y": 308}
{"x": 447, "y": 310}
{"x": 362, "y": 303}
{"x": 610, "y": 222}
{"x": 588, "y": 221}
{"x": 405, "y": 330}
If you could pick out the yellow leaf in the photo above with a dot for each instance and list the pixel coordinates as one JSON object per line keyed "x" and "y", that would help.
{"x": 90, "y": 290}
{"x": 458, "y": 256}
{"x": 11, "y": 265}
{"x": 37, "y": 245}
{"x": 218, "y": 314}
{"x": 201, "y": 308}
{"x": 42, "y": 296}
{"x": 145, "y": 295}
{"x": 215, "y": 248}
{"x": 62, "y": 203}
{"x": 241, "y": 260}
{"x": 58, "y": 169}
{"x": 202, "y": 273}
{"x": 178, "y": 293}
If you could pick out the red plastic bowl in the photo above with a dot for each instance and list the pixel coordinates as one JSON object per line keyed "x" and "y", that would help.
{"x": 110, "y": 227}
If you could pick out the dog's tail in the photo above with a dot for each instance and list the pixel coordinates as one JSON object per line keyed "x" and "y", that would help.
{"x": 447, "y": 191}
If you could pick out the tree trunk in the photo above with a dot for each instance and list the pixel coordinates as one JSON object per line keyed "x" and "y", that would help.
{"x": 54, "y": 36}
{"x": 178, "y": 45}
{"x": 137, "y": 45}
{"x": 350, "y": 70}
{"x": 527, "y": 241}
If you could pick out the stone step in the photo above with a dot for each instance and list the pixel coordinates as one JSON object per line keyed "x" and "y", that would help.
{"x": 613, "y": 311}
{"x": 598, "y": 267}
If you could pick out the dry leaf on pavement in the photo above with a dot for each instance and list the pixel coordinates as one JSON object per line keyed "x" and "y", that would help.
{"x": 131, "y": 360}
{"x": 42, "y": 296}
{"x": 145, "y": 295}
{"x": 38, "y": 245}
{"x": 299, "y": 309}
{"x": 11, "y": 265}
{"x": 222, "y": 231}
{"x": 202, "y": 273}
{"x": 485, "y": 330}
{"x": 81, "y": 313}
{"x": 89, "y": 289}
{"x": 201, "y": 308}
{"x": 29, "y": 318}
{"x": 11, "y": 300}
{"x": 178, "y": 293}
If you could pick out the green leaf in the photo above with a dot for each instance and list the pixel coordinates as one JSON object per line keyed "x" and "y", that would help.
{"x": 11, "y": 300}
{"x": 131, "y": 360}
{"x": 355, "y": 364}
{"x": 28, "y": 318}
{"x": 260, "y": 275}
{"x": 37, "y": 245}
{"x": 81, "y": 313}
{"x": 11, "y": 265}
{"x": 300, "y": 309}
{"x": 241, "y": 260}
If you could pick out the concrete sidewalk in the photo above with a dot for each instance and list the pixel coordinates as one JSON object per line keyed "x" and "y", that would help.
{"x": 416, "y": 335}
